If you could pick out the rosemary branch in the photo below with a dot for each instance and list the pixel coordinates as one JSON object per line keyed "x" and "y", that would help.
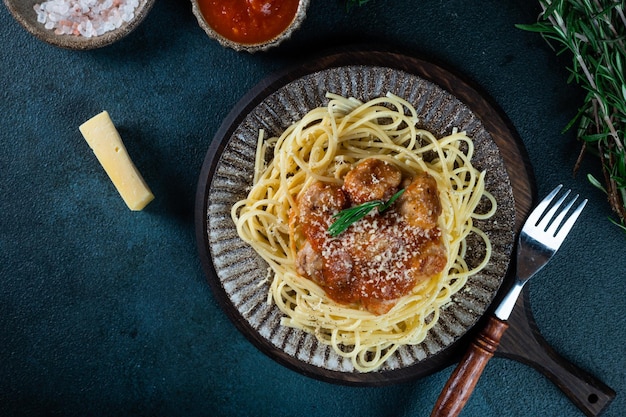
{"x": 594, "y": 32}
{"x": 351, "y": 215}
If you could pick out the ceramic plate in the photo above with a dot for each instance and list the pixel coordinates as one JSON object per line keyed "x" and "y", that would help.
{"x": 237, "y": 274}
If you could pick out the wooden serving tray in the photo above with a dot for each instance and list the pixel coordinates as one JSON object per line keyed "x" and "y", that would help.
{"x": 522, "y": 342}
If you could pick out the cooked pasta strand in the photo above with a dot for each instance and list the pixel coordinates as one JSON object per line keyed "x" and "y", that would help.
{"x": 323, "y": 146}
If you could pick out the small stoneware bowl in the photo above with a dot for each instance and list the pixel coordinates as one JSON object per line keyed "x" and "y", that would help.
{"x": 23, "y": 11}
{"x": 291, "y": 23}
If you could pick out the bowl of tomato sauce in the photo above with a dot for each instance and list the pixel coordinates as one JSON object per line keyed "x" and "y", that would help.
{"x": 250, "y": 25}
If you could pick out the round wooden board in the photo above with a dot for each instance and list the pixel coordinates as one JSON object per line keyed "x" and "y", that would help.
{"x": 494, "y": 121}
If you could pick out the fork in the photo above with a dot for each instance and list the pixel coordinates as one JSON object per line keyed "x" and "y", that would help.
{"x": 542, "y": 234}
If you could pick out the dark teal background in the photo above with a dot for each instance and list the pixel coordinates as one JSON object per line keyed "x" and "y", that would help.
{"x": 107, "y": 312}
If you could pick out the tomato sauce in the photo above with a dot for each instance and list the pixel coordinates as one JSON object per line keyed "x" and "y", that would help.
{"x": 381, "y": 258}
{"x": 249, "y": 21}
{"x": 378, "y": 259}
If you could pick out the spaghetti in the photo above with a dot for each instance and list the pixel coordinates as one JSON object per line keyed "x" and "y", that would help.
{"x": 323, "y": 147}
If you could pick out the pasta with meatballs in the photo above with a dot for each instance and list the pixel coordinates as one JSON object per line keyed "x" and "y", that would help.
{"x": 381, "y": 282}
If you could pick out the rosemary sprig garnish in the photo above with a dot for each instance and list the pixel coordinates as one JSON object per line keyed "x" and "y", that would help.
{"x": 351, "y": 215}
{"x": 594, "y": 32}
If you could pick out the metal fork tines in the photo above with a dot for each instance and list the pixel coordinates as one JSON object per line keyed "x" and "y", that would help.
{"x": 542, "y": 235}
{"x": 544, "y": 227}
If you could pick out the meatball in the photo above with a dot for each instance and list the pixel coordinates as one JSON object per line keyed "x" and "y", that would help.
{"x": 419, "y": 204}
{"x": 321, "y": 199}
{"x": 372, "y": 179}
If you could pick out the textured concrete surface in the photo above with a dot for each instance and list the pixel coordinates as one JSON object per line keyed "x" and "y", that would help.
{"x": 104, "y": 311}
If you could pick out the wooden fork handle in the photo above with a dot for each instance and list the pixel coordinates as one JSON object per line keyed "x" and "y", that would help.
{"x": 461, "y": 383}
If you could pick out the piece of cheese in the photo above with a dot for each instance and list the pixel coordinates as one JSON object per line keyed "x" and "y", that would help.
{"x": 103, "y": 138}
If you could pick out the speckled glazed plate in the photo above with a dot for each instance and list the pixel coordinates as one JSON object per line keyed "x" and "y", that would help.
{"x": 236, "y": 273}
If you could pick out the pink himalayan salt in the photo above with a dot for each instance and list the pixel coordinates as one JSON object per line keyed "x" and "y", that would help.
{"x": 85, "y": 17}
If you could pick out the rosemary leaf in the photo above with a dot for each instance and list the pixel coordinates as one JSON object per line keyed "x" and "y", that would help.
{"x": 345, "y": 218}
{"x": 593, "y": 32}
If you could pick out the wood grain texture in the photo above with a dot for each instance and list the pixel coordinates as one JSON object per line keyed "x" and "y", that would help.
{"x": 461, "y": 383}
